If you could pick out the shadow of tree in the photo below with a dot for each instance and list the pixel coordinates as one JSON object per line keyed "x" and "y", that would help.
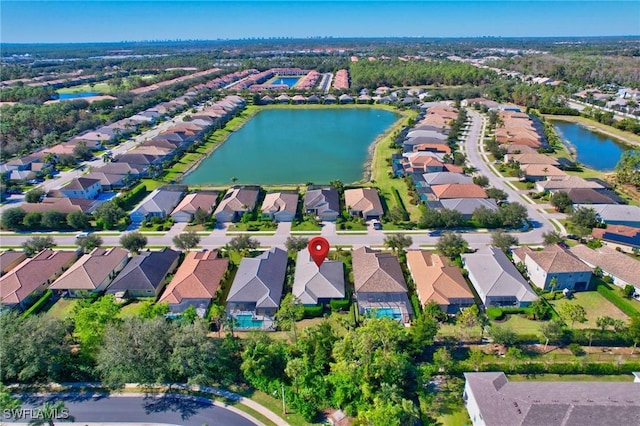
{"x": 85, "y": 395}
{"x": 187, "y": 406}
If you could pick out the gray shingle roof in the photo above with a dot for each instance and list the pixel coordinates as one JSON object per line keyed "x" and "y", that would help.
{"x": 145, "y": 271}
{"x": 159, "y": 201}
{"x": 377, "y": 272}
{"x": 260, "y": 279}
{"x": 322, "y": 199}
{"x": 615, "y": 212}
{"x": 312, "y": 283}
{"x": 504, "y": 403}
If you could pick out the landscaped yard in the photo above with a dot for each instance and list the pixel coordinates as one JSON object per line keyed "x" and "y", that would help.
{"x": 520, "y": 324}
{"x": 62, "y": 309}
{"x": 306, "y": 225}
{"x": 595, "y": 305}
{"x": 131, "y": 310}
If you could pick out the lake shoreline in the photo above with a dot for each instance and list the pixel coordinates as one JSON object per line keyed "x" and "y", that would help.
{"x": 629, "y": 139}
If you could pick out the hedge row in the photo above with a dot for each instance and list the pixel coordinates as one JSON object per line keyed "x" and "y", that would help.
{"x": 313, "y": 311}
{"x": 597, "y": 369}
{"x": 396, "y": 196}
{"x": 339, "y": 305}
{"x": 132, "y": 198}
{"x": 608, "y": 293}
{"x": 35, "y": 308}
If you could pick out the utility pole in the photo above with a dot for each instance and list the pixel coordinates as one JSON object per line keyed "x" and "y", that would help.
{"x": 284, "y": 408}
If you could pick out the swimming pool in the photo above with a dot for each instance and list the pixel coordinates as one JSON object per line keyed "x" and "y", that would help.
{"x": 385, "y": 312}
{"x": 248, "y": 321}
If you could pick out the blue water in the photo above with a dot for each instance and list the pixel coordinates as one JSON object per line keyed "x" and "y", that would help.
{"x": 594, "y": 150}
{"x": 386, "y": 312}
{"x": 77, "y": 95}
{"x": 289, "y": 81}
{"x": 295, "y": 146}
{"x": 247, "y": 321}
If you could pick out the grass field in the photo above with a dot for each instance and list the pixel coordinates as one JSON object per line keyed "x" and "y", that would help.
{"x": 131, "y": 310}
{"x": 595, "y": 305}
{"x": 459, "y": 417}
{"x": 104, "y": 88}
{"x": 62, "y": 309}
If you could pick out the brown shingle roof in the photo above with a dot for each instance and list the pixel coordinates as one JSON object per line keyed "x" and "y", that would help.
{"x": 611, "y": 261}
{"x": 553, "y": 259}
{"x": 90, "y": 270}
{"x": 11, "y": 259}
{"x": 376, "y": 272}
{"x": 191, "y": 202}
{"x": 435, "y": 279}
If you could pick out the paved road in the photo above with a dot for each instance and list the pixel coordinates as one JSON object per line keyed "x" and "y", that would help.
{"x": 168, "y": 409}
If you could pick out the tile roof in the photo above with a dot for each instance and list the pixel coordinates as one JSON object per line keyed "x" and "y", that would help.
{"x": 25, "y": 278}
{"x": 435, "y": 280}
{"x": 377, "y": 272}
{"x": 238, "y": 199}
{"x": 552, "y": 259}
{"x": 568, "y": 403}
{"x": 198, "y": 277}
{"x": 90, "y": 270}
{"x": 541, "y": 170}
{"x": 363, "y": 199}
{"x": 611, "y": 261}
{"x": 312, "y": 283}
{"x": 191, "y": 202}
{"x": 534, "y": 158}
{"x": 459, "y": 190}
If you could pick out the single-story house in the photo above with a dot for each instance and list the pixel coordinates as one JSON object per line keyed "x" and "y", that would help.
{"x": 82, "y": 187}
{"x": 496, "y": 279}
{"x": 443, "y": 178}
{"x": 236, "y": 202}
{"x": 313, "y": 285}
{"x": 438, "y": 282}
{"x": 323, "y": 202}
{"x": 257, "y": 288}
{"x": 624, "y": 238}
{"x": 10, "y": 259}
{"x": 22, "y": 284}
{"x": 564, "y": 183}
{"x": 554, "y": 267}
{"x": 108, "y": 182}
{"x": 620, "y": 267}
{"x": 589, "y": 196}
{"x": 196, "y": 282}
{"x": 144, "y": 275}
{"x": 280, "y": 206}
{"x": 531, "y": 158}
{"x": 616, "y": 214}
{"x": 458, "y": 190}
{"x": 491, "y": 399}
{"x": 158, "y": 203}
{"x": 379, "y": 285}
{"x": 467, "y": 206}
{"x": 93, "y": 272}
{"x": 535, "y": 172}
{"x": 363, "y": 202}
{"x": 185, "y": 210}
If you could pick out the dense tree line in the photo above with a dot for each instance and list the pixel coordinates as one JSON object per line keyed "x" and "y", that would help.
{"x": 394, "y": 73}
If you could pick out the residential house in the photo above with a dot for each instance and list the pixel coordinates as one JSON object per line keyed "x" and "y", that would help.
{"x": 536, "y": 172}
{"x": 496, "y": 279}
{"x": 590, "y": 196}
{"x": 236, "y": 202}
{"x": 108, "y": 182}
{"x": 10, "y": 259}
{"x": 619, "y": 237}
{"x": 124, "y": 169}
{"x": 185, "y": 210}
{"x": 616, "y": 214}
{"x": 621, "y": 268}
{"x": 491, "y": 399}
{"x": 438, "y": 282}
{"x": 159, "y": 203}
{"x": 196, "y": 282}
{"x": 531, "y": 158}
{"x": 323, "y": 202}
{"x": 363, "y": 202}
{"x": 280, "y": 206}
{"x": 314, "y": 285}
{"x": 82, "y": 187}
{"x": 345, "y": 99}
{"x": 458, "y": 190}
{"x": 21, "y": 285}
{"x": 444, "y": 178}
{"x": 379, "y": 285}
{"x": 92, "y": 273}
{"x": 554, "y": 268}
{"x": 62, "y": 205}
{"x": 467, "y": 206}
{"x": 564, "y": 183}
{"x": 257, "y": 289}
{"x": 145, "y": 274}
{"x": 421, "y": 162}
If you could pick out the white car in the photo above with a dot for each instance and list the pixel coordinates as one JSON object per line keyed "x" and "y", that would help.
{"x": 82, "y": 235}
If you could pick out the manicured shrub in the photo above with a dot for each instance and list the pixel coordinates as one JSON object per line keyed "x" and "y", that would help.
{"x": 35, "y": 308}
{"x": 313, "y": 311}
{"x": 495, "y": 313}
{"x": 341, "y": 305}
{"x": 621, "y": 303}
{"x": 576, "y": 349}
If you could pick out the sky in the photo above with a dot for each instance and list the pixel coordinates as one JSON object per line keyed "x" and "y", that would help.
{"x": 29, "y": 21}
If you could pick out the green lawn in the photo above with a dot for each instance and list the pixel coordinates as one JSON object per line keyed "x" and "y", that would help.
{"x": 523, "y": 186}
{"x": 62, "y": 309}
{"x": 131, "y": 310}
{"x": 520, "y": 324}
{"x": 306, "y": 226}
{"x": 97, "y": 87}
{"x": 595, "y": 305}
{"x": 456, "y": 418}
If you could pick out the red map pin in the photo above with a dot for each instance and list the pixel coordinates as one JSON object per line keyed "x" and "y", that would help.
{"x": 318, "y": 249}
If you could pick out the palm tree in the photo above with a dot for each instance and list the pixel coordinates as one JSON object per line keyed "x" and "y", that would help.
{"x": 234, "y": 179}
{"x": 50, "y": 412}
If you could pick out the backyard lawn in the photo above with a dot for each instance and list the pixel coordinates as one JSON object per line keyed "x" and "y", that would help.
{"x": 62, "y": 309}
{"x": 520, "y": 324}
{"x": 595, "y": 305}
{"x": 131, "y": 310}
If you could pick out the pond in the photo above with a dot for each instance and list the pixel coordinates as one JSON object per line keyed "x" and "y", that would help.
{"x": 594, "y": 150}
{"x": 78, "y": 95}
{"x": 296, "y": 146}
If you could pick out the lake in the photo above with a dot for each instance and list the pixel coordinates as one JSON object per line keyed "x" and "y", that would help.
{"x": 594, "y": 150}
{"x": 77, "y": 95}
{"x": 295, "y": 146}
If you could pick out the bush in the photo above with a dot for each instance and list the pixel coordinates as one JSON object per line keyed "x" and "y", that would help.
{"x": 576, "y": 349}
{"x": 341, "y": 305}
{"x": 35, "y": 308}
{"x": 313, "y": 311}
{"x": 495, "y": 313}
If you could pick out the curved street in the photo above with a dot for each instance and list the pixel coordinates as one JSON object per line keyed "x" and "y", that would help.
{"x": 133, "y": 409}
